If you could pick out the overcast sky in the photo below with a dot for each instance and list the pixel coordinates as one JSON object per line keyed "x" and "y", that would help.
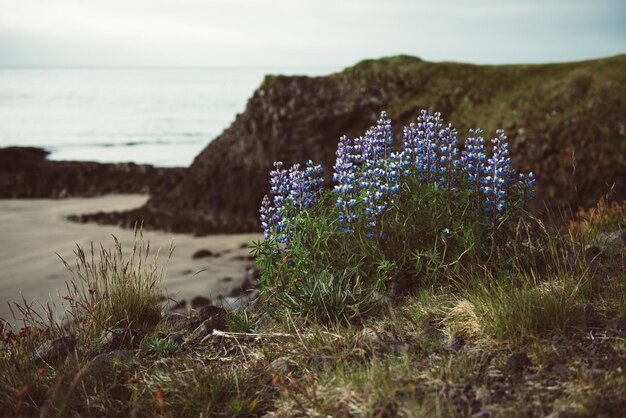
{"x": 305, "y": 32}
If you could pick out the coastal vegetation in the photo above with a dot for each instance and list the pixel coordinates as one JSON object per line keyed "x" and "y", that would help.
{"x": 418, "y": 285}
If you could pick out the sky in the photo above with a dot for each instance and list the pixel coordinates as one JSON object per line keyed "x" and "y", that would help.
{"x": 305, "y": 32}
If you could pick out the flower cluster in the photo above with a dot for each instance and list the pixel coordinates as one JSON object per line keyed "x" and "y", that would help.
{"x": 379, "y": 174}
{"x": 368, "y": 172}
{"x": 421, "y": 146}
{"x": 294, "y": 188}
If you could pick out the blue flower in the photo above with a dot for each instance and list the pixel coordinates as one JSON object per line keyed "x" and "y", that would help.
{"x": 497, "y": 177}
{"x": 346, "y": 182}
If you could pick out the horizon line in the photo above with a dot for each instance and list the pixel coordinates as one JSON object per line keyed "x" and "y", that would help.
{"x": 168, "y": 67}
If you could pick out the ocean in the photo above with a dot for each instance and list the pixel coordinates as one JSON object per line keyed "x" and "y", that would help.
{"x": 158, "y": 116}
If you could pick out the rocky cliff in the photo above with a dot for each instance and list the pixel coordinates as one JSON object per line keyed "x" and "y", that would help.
{"x": 567, "y": 122}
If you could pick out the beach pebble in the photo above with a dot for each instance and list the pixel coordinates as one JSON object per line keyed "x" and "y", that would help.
{"x": 210, "y": 311}
{"x": 204, "y": 253}
{"x": 200, "y": 301}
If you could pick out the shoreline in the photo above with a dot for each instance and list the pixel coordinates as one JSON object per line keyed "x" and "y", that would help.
{"x": 34, "y": 231}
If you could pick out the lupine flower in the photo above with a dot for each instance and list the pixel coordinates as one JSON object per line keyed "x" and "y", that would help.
{"x": 473, "y": 157}
{"x": 526, "y": 186}
{"x": 313, "y": 174}
{"x": 376, "y": 177}
{"x": 269, "y": 219}
{"x": 448, "y": 148}
{"x": 347, "y": 186}
{"x": 280, "y": 189}
{"x": 305, "y": 186}
{"x": 421, "y": 145}
{"x": 289, "y": 188}
{"x": 497, "y": 178}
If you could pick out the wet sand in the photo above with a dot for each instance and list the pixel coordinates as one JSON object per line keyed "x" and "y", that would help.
{"x": 33, "y": 231}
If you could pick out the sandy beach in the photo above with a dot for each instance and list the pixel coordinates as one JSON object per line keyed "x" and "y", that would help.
{"x": 33, "y": 231}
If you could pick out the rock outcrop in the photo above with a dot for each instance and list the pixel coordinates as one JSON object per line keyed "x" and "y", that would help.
{"x": 567, "y": 123}
{"x": 26, "y": 173}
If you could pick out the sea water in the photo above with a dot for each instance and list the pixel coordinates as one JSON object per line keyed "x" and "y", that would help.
{"x": 159, "y": 116}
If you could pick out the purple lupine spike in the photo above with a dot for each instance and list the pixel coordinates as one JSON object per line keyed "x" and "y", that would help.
{"x": 376, "y": 181}
{"x": 280, "y": 189}
{"x": 448, "y": 151}
{"x": 269, "y": 219}
{"x": 313, "y": 183}
{"x": 473, "y": 158}
{"x": 427, "y": 129}
{"x": 291, "y": 188}
{"x": 345, "y": 177}
{"x": 497, "y": 178}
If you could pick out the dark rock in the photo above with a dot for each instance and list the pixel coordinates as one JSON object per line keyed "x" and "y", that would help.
{"x": 210, "y": 311}
{"x": 207, "y": 326}
{"x": 114, "y": 338}
{"x": 208, "y": 318}
{"x": 517, "y": 362}
{"x": 53, "y": 350}
{"x": 104, "y": 360}
{"x": 203, "y": 253}
{"x": 200, "y": 301}
{"x": 243, "y": 258}
{"x": 400, "y": 285}
{"x": 26, "y": 173}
